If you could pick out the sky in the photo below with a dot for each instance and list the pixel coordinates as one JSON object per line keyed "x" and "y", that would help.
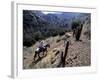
{"x": 49, "y": 12}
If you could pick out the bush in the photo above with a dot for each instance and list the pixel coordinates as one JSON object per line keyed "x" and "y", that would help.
{"x": 29, "y": 43}
{"x": 62, "y": 33}
{"x": 54, "y": 33}
{"x": 38, "y": 36}
{"x": 58, "y": 40}
{"x": 75, "y": 24}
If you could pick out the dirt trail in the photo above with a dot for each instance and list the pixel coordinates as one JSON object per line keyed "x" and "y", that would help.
{"x": 78, "y": 54}
{"x": 30, "y": 57}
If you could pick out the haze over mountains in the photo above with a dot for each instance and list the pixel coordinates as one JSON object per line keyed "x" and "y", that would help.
{"x": 39, "y": 25}
{"x": 57, "y": 18}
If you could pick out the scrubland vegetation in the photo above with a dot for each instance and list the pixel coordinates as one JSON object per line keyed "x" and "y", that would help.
{"x": 57, "y": 30}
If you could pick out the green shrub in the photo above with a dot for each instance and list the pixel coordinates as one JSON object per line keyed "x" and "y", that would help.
{"x": 38, "y": 36}
{"x": 54, "y": 33}
{"x": 75, "y": 24}
{"x": 62, "y": 33}
{"x": 29, "y": 43}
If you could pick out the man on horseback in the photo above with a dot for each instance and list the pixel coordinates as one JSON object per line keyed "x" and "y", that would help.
{"x": 41, "y": 48}
{"x": 41, "y": 44}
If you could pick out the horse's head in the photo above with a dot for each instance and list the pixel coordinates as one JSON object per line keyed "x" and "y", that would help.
{"x": 47, "y": 45}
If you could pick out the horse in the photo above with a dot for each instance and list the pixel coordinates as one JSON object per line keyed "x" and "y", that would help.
{"x": 41, "y": 49}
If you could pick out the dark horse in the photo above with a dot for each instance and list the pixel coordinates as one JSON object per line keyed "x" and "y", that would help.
{"x": 41, "y": 49}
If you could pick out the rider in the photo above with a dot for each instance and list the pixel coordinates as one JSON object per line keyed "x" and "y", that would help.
{"x": 41, "y": 44}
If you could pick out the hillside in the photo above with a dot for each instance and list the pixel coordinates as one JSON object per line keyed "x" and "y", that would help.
{"x": 38, "y": 26}
{"x": 52, "y": 28}
{"x": 78, "y": 55}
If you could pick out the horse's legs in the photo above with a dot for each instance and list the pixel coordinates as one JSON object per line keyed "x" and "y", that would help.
{"x": 35, "y": 56}
{"x": 38, "y": 55}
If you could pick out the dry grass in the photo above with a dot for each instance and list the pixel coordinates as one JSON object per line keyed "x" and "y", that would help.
{"x": 79, "y": 54}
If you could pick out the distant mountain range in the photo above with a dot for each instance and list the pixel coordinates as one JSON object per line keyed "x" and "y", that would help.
{"x": 61, "y": 19}
{"x": 37, "y": 21}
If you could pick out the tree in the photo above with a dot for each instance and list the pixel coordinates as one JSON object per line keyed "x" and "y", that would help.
{"x": 78, "y": 33}
{"x": 75, "y": 24}
{"x": 77, "y": 28}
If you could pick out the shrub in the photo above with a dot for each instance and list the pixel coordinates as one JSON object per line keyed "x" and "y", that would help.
{"x": 38, "y": 36}
{"x": 75, "y": 24}
{"x": 29, "y": 43}
{"x": 58, "y": 40}
{"x": 62, "y": 33}
{"x": 54, "y": 33}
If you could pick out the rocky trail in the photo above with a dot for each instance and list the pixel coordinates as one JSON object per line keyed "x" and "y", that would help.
{"x": 78, "y": 54}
